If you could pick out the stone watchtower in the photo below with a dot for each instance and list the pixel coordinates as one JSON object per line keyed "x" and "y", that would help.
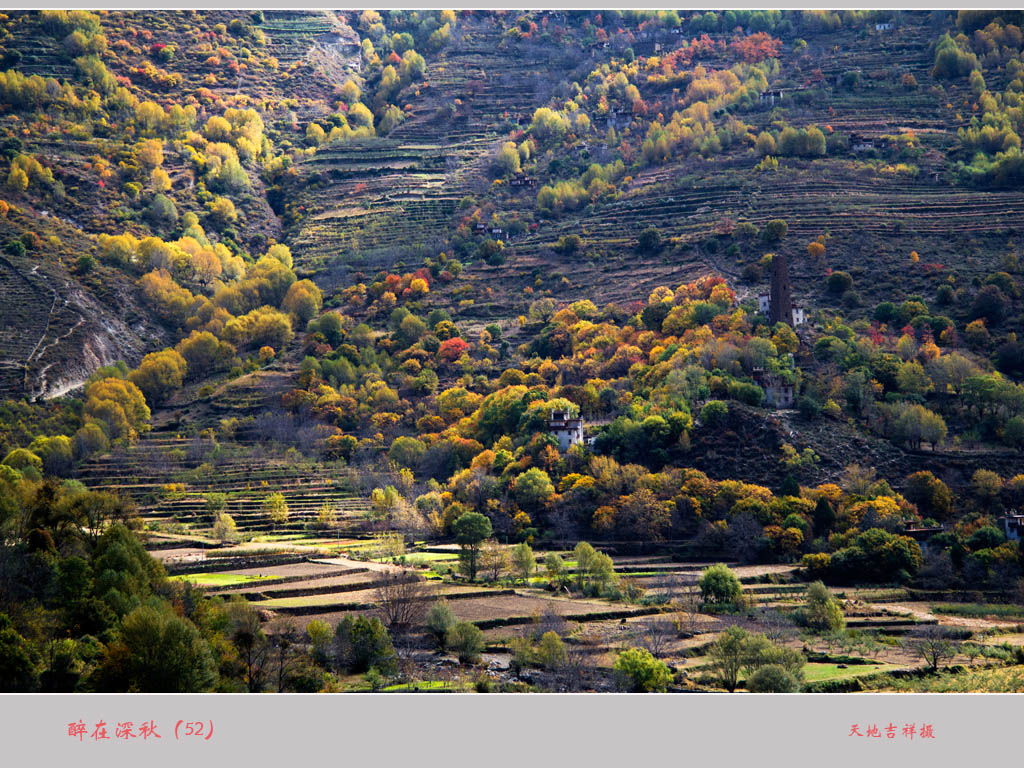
{"x": 781, "y": 307}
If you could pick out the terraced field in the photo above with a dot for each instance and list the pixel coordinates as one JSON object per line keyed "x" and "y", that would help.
{"x": 171, "y": 479}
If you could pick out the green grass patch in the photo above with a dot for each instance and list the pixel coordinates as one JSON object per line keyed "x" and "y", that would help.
{"x": 816, "y": 672}
{"x": 434, "y": 686}
{"x": 423, "y": 558}
{"x": 221, "y": 579}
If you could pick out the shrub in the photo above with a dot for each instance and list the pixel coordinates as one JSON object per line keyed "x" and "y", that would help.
{"x": 649, "y": 241}
{"x": 714, "y": 413}
{"x": 363, "y": 643}
{"x": 638, "y": 671}
{"x": 440, "y": 621}
{"x": 822, "y": 612}
{"x": 839, "y": 283}
{"x": 551, "y": 651}
{"x": 773, "y": 678}
{"x": 718, "y": 584}
{"x": 466, "y": 640}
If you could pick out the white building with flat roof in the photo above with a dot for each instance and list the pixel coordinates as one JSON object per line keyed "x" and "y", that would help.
{"x": 567, "y": 429}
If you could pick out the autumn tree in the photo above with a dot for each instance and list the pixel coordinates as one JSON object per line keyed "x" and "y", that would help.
{"x": 508, "y": 159}
{"x": 303, "y": 302}
{"x": 494, "y": 559}
{"x": 118, "y": 406}
{"x": 263, "y": 326}
{"x": 204, "y": 353}
{"x": 159, "y": 374}
{"x": 275, "y": 507}
{"x": 224, "y": 528}
{"x": 932, "y": 496}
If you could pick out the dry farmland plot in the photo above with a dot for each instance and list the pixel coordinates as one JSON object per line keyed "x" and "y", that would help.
{"x": 339, "y": 600}
{"x": 305, "y": 569}
{"x": 506, "y": 607}
{"x": 484, "y": 609}
{"x": 1015, "y": 638}
{"x": 183, "y": 554}
{"x": 923, "y": 612}
{"x": 344, "y": 584}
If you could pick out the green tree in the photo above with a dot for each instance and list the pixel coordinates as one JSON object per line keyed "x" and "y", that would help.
{"x": 1013, "y": 433}
{"x": 584, "y": 554}
{"x": 362, "y": 643}
{"x": 649, "y": 241}
{"x": 774, "y": 231}
{"x": 466, "y": 640}
{"x": 471, "y": 529}
{"x": 727, "y": 656}
{"x": 737, "y": 651}
{"x": 162, "y": 211}
{"x": 156, "y": 652}
{"x": 718, "y": 584}
{"x": 551, "y": 651}
{"x": 250, "y": 641}
{"x": 533, "y": 488}
{"x": 554, "y": 567}
{"x": 714, "y": 413}
{"x": 407, "y": 451}
{"x": 822, "y": 612}
{"x": 440, "y": 620}
{"x": 126, "y": 574}
{"x": 601, "y": 572}
{"x": 839, "y": 282}
{"x": 18, "y": 663}
{"x": 638, "y": 671}
{"x": 523, "y": 560}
